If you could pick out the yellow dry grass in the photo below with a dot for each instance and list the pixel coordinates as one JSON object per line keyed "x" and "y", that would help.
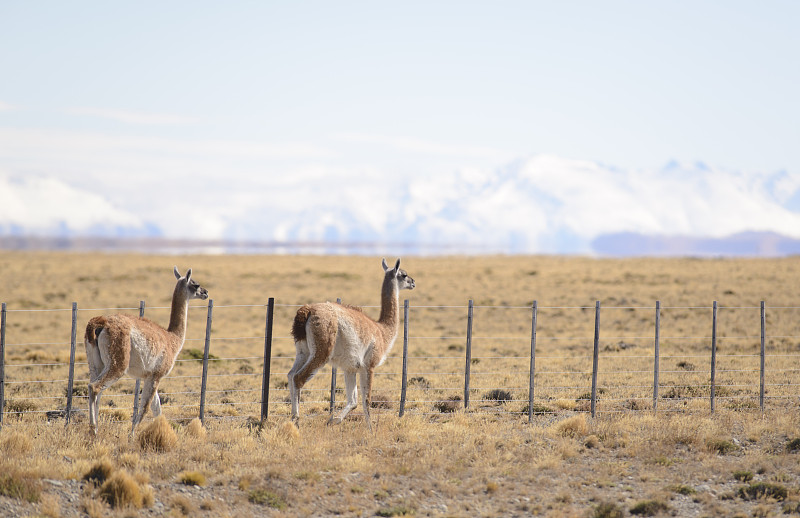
{"x": 486, "y": 461}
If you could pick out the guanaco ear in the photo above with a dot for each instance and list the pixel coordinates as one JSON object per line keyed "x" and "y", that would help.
{"x": 188, "y": 275}
{"x": 177, "y": 273}
{"x": 385, "y": 266}
{"x": 397, "y": 266}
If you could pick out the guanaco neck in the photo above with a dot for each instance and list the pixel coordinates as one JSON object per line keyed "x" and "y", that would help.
{"x": 389, "y": 303}
{"x": 179, "y": 312}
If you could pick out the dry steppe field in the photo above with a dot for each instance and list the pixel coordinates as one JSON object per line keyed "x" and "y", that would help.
{"x": 439, "y": 459}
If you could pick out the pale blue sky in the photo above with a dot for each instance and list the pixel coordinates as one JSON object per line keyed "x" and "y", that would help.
{"x": 217, "y": 93}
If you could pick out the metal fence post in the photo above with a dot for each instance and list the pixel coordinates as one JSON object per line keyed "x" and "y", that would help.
{"x": 656, "y": 355}
{"x": 468, "y": 355}
{"x": 595, "y": 355}
{"x": 2, "y": 361}
{"x": 138, "y": 381}
{"x": 533, "y": 361}
{"x": 713, "y": 352}
{"x": 205, "y": 362}
{"x": 265, "y": 373}
{"x": 71, "y": 379}
{"x": 763, "y": 355}
{"x": 404, "y": 379}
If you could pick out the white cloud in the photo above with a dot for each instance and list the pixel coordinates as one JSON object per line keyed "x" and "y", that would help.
{"x": 130, "y": 117}
{"x": 424, "y": 147}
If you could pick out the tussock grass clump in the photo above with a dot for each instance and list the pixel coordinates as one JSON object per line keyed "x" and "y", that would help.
{"x": 15, "y": 443}
{"x": 721, "y": 446}
{"x": 99, "y": 472}
{"x": 183, "y": 505}
{"x": 158, "y": 436}
{"x": 195, "y": 429}
{"x": 743, "y": 476}
{"x": 574, "y": 427}
{"x": 122, "y": 490}
{"x": 649, "y": 508}
{"x": 15, "y": 484}
{"x": 607, "y": 510}
{"x": 267, "y": 498}
{"x": 761, "y": 490}
{"x": 682, "y": 489}
{"x": 287, "y": 431}
{"x": 192, "y": 478}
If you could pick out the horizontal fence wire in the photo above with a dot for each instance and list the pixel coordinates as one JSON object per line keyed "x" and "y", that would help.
{"x": 482, "y": 368}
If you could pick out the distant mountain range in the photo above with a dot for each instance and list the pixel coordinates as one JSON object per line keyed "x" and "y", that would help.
{"x": 540, "y": 204}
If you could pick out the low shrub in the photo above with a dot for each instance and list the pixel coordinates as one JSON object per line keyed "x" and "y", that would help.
{"x": 649, "y": 508}
{"x": 448, "y": 405}
{"x": 743, "y": 476}
{"x": 267, "y": 498}
{"x": 761, "y": 490}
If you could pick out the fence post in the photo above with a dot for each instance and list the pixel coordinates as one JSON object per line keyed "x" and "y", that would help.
{"x": 595, "y": 355}
{"x": 533, "y": 361}
{"x": 138, "y": 381}
{"x": 713, "y": 352}
{"x": 763, "y": 355}
{"x": 333, "y": 377}
{"x": 468, "y": 355}
{"x": 265, "y": 372}
{"x": 72, "y": 360}
{"x": 205, "y": 362}
{"x": 2, "y": 361}
{"x": 404, "y": 379}
{"x": 656, "y": 355}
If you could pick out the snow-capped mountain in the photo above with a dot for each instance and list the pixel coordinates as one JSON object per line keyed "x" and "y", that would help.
{"x": 541, "y": 204}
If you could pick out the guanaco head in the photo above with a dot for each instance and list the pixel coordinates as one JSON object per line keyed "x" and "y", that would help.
{"x": 194, "y": 290}
{"x": 404, "y": 282}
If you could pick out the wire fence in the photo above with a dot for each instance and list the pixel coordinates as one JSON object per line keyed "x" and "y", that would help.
{"x": 498, "y": 359}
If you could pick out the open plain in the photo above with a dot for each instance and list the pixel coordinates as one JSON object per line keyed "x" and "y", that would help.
{"x": 439, "y": 459}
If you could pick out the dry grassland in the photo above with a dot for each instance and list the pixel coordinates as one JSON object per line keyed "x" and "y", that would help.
{"x": 487, "y": 461}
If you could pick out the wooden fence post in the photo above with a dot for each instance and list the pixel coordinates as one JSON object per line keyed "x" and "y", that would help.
{"x": 656, "y": 355}
{"x": 713, "y": 352}
{"x": 205, "y": 362}
{"x": 404, "y": 379}
{"x": 595, "y": 355}
{"x": 763, "y": 355}
{"x": 71, "y": 379}
{"x": 533, "y": 361}
{"x": 468, "y": 355}
{"x": 2, "y": 362}
{"x": 265, "y": 372}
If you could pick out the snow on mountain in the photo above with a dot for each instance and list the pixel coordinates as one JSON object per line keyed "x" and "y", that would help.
{"x": 541, "y": 204}
{"x": 47, "y": 206}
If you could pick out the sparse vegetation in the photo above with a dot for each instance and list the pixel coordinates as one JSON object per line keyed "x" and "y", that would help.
{"x": 483, "y": 460}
